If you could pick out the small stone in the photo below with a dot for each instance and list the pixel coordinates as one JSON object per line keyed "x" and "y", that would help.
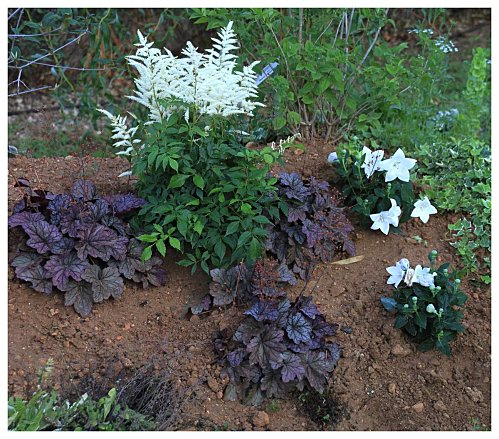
{"x": 261, "y": 419}
{"x": 347, "y": 329}
{"x": 418, "y": 408}
{"x": 247, "y": 426}
{"x": 194, "y": 318}
{"x": 220, "y": 394}
{"x": 399, "y": 351}
{"x": 474, "y": 394}
{"x": 440, "y": 406}
{"x": 192, "y": 348}
{"x": 392, "y": 388}
{"x": 213, "y": 385}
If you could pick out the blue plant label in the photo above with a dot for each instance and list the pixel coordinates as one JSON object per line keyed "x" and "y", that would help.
{"x": 266, "y": 72}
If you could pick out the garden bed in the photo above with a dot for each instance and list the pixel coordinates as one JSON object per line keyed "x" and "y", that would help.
{"x": 381, "y": 381}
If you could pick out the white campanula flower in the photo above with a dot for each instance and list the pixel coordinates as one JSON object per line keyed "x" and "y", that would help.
{"x": 332, "y": 157}
{"x": 423, "y": 209}
{"x": 397, "y": 272}
{"x": 423, "y": 276}
{"x": 397, "y": 166}
{"x": 430, "y": 309}
{"x": 383, "y": 220}
{"x": 372, "y": 161}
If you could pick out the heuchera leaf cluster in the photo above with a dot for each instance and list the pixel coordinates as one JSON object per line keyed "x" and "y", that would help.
{"x": 80, "y": 244}
{"x": 243, "y": 283}
{"x": 312, "y": 227}
{"x": 280, "y": 345}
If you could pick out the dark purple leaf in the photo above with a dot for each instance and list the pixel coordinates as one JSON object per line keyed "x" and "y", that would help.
{"x": 122, "y": 204}
{"x": 80, "y": 295}
{"x": 236, "y": 357}
{"x": 322, "y": 328}
{"x": 25, "y": 219}
{"x": 313, "y": 231}
{"x": 97, "y": 211}
{"x": 42, "y": 236}
{"x": 19, "y": 206}
{"x": 153, "y": 275}
{"x": 286, "y": 275}
{"x": 272, "y": 384}
{"x": 296, "y": 213}
{"x": 59, "y": 204}
{"x": 317, "y": 366}
{"x": 298, "y": 328}
{"x": 266, "y": 347}
{"x": 292, "y": 186}
{"x": 254, "y": 397}
{"x": 116, "y": 223}
{"x": 38, "y": 277}
{"x": 307, "y": 307}
{"x": 247, "y": 330}
{"x": 101, "y": 242}
{"x": 71, "y": 220}
{"x": 63, "y": 246}
{"x": 224, "y": 285}
{"x": 62, "y": 267}
{"x": 105, "y": 282}
{"x": 26, "y": 260}
{"x": 202, "y": 306}
{"x": 291, "y": 367}
{"x": 263, "y": 310}
{"x": 283, "y": 308}
{"x": 84, "y": 190}
{"x": 334, "y": 350}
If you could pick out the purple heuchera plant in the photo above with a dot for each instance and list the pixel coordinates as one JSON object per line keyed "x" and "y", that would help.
{"x": 279, "y": 346}
{"x": 312, "y": 226}
{"x": 80, "y": 244}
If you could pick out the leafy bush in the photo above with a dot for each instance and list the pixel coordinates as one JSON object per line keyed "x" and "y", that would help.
{"x": 79, "y": 243}
{"x": 426, "y": 304}
{"x": 280, "y": 346}
{"x": 311, "y": 227}
{"x": 334, "y": 70}
{"x": 457, "y": 176}
{"x": 46, "y": 411}
{"x": 210, "y": 198}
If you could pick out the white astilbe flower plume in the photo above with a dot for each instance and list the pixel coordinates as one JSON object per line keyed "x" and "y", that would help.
{"x": 206, "y": 82}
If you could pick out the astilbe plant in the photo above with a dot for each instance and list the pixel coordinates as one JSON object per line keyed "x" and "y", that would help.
{"x": 427, "y": 303}
{"x": 280, "y": 345}
{"x": 79, "y": 243}
{"x": 312, "y": 226}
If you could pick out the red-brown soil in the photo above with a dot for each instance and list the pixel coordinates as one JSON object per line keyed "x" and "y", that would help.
{"x": 381, "y": 378}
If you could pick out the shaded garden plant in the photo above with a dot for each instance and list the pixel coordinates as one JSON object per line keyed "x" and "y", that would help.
{"x": 427, "y": 305}
{"x": 311, "y": 226}
{"x": 280, "y": 345}
{"x": 80, "y": 243}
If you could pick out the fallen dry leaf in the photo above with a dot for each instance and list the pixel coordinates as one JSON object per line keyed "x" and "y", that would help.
{"x": 349, "y": 260}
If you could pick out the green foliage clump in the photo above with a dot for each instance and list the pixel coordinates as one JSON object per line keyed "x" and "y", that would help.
{"x": 457, "y": 176}
{"x": 207, "y": 194}
{"x": 46, "y": 411}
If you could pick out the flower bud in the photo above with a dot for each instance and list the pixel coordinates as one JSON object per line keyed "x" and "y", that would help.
{"x": 441, "y": 310}
{"x": 414, "y": 299}
{"x": 406, "y": 306}
{"x": 433, "y": 254}
{"x": 430, "y": 309}
{"x": 457, "y": 281}
{"x": 439, "y": 288}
